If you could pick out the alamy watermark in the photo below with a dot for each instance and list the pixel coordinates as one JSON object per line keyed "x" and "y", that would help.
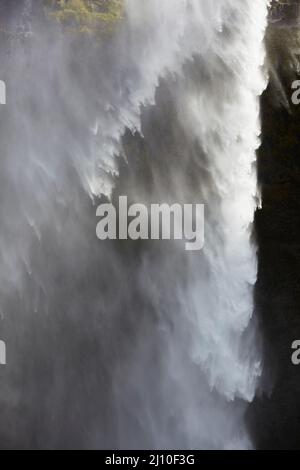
{"x": 296, "y": 354}
{"x": 2, "y": 353}
{"x": 2, "y": 92}
{"x": 155, "y": 222}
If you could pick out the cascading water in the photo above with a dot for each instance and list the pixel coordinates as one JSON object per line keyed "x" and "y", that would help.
{"x": 130, "y": 344}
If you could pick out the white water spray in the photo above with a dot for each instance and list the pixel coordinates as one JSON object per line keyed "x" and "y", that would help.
{"x": 176, "y": 358}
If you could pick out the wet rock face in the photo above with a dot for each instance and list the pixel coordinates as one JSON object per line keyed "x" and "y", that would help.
{"x": 284, "y": 12}
{"x": 13, "y": 16}
{"x": 275, "y": 415}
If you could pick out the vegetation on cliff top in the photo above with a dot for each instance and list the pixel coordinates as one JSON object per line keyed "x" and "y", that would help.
{"x": 86, "y": 16}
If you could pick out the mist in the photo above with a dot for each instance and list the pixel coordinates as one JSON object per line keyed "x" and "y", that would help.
{"x": 130, "y": 344}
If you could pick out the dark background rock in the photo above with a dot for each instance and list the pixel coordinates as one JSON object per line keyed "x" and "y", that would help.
{"x": 275, "y": 415}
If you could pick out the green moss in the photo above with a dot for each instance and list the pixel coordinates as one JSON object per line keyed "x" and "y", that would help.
{"x": 86, "y": 16}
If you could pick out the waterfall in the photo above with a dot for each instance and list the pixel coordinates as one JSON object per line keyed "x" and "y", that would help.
{"x": 129, "y": 344}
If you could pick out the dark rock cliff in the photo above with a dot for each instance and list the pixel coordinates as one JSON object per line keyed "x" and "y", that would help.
{"x": 275, "y": 415}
